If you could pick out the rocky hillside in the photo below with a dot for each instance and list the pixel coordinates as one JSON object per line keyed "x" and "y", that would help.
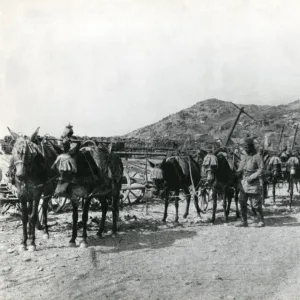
{"x": 213, "y": 118}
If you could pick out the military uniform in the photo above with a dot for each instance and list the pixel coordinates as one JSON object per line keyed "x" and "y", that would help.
{"x": 251, "y": 169}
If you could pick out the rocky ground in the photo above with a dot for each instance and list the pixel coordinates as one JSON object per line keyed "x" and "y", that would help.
{"x": 152, "y": 260}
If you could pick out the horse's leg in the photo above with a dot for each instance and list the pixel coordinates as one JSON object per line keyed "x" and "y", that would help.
{"x": 291, "y": 190}
{"x": 72, "y": 242}
{"x": 104, "y": 206}
{"x": 225, "y": 195}
{"x": 176, "y": 205}
{"x": 33, "y": 220}
{"x": 229, "y": 198}
{"x": 188, "y": 201}
{"x": 115, "y": 208}
{"x": 274, "y": 190}
{"x": 215, "y": 199}
{"x": 196, "y": 203}
{"x": 29, "y": 224}
{"x": 23, "y": 245}
{"x": 85, "y": 216}
{"x": 166, "y": 192}
{"x": 236, "y": 200}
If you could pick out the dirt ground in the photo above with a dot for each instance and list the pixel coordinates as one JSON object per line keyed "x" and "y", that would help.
{"x": 152, "y": 260}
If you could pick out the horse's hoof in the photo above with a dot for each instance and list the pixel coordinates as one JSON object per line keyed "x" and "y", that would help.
{"x": 83, "y": 244}
{"x": 185, "y": 216}
{"x": 72, "y": 244}
{"x": 46, "y": 236}
{"x": 99, "y": 236}
{"x": 32, "y": 248}
{"x": 22, "y": 248}
{"x": 163, "y": 220}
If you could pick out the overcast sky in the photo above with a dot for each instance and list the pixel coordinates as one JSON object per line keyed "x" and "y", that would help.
{"x": 110, "y": 67}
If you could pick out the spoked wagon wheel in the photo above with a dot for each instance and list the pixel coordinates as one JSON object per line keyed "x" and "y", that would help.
{"x": 57, "y": 204}
{"x": 203, "y": 196}
{"x": 131, "y": 189}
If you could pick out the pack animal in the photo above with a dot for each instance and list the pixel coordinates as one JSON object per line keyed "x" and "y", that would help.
{"x": 221, "y": 178}
{"x": 88, "y": 172}
{"x": 30, "y": 171}
{"x": 175, "y": 174}
{"x": 273, "y": 172}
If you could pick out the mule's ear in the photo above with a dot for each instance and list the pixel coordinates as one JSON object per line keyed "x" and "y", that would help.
{"x": 13, "y": 134}
{"x": 151, "y": 163}
{"x": 34, "y": 135}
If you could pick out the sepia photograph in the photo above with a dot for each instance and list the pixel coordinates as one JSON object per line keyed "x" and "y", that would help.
{"x": 149, "y": 149}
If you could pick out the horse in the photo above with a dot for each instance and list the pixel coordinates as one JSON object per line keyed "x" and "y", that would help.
{"x": 222, "y": 179}
{"x": 87, "y": 172}
{"x": 31, "y": 174}
{"x": 176, "y": 173}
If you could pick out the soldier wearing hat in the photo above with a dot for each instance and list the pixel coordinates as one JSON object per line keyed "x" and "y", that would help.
{"x": 67, "y": 138}
{"x": 251, "y": 171}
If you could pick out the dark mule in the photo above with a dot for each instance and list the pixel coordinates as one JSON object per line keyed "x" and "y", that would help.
{"x": 31, "y": 173}
{"x": 222, "y": 179}
{"x": 273, "y": 172}
{"x": 88, "y": 172}
{"x": 175, "y": 174}
{"x": 293, "y": 174}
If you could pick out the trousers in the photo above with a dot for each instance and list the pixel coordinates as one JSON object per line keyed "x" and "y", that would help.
{"x": 255, "y": 202}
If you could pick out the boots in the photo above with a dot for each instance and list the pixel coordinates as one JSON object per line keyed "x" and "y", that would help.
{"x": 244, "y": 222}
{"x": 261, "y": 222}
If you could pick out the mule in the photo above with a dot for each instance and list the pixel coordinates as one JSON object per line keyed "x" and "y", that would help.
{"x": 273, "y": 173}
{"x": 88, "y": 172}
{"x": 31, "y": 174}
{"x": 174, "y": 174}
{"x": 222, "y": 180}
{"x": 293, "y": 174}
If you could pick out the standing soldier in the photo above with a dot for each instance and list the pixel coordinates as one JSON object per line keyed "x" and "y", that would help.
{"x": 251, "y": 170}
{"x": 67, "y": 137}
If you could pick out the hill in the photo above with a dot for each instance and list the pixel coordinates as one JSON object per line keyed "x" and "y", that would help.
{"x": 213, "y": 118}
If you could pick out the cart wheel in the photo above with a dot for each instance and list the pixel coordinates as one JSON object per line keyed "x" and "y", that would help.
{"x": 124, "y": 194}
{"x": 40, "y": 220}
{"x": 57, "y": 205}
{"x": 130, "y": 179}
{"x": 203, "y": 196}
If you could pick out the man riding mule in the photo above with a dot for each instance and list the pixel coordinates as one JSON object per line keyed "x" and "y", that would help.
{"x": 251, "y": 171}
{"x": 30, "y": 171}
{"x": 87, "y": 172}
{"x": 174, "y": 174}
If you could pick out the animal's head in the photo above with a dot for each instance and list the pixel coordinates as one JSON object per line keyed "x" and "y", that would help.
{"x": 293, "y": 164}
{"x": 24, "y": 153}
{"x": 209, "y": 167}
{"x": 157, "y": 176}
{"x": 274, "y": 166}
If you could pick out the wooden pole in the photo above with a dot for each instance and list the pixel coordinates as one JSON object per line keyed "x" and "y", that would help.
{"x": 280, "y": 137}
{"x": 146, "y": 176}
{"x": 293, "y": 145}
{"x": 233, "y": 126}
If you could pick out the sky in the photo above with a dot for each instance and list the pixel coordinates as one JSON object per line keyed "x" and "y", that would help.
{"x": 110, "y": 67}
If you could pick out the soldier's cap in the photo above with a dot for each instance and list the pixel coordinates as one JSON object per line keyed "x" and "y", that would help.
{"x": 249, "y": 141}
